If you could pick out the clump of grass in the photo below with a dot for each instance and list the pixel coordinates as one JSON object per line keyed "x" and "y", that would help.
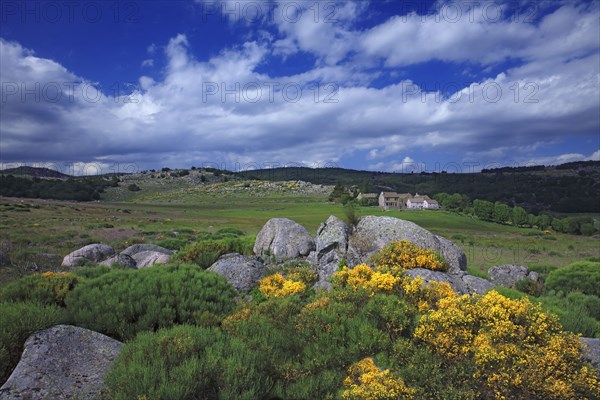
{"x": 205, "y": 252}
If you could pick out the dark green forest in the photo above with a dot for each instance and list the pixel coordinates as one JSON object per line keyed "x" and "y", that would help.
{"x": 570, "y": 188}
{"x": 80, "y": 189}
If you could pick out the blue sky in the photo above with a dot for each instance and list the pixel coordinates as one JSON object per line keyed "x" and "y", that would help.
{"x": 378, "y": 85}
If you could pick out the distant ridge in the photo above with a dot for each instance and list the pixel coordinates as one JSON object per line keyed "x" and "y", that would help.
{"x": 35, "y": 172}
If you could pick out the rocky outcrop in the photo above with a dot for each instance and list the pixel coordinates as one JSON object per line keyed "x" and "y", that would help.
{"x": 283, "y": 239}
{"x": 121, "y": 259}
{"x": 372, "y": 233}
{"x": 507, "y": 275}
{"x": 331, "y": 246}
{"x": 460, "y": 283}
{"x": 474, "y": 284}
{"x": 591, "y": 351}
{"x": 92, "y": 252}
{"x": 138, "y": 248}
{"x": 63, "y": 362}
{"x": 242, "y": 272}
{"x": 145, "y": 259}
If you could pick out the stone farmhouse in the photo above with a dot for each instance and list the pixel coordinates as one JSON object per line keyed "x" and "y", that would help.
{"x": 393, "y": 200}
{"x": 422, "y": 202}
{"x": 372, "y": 198}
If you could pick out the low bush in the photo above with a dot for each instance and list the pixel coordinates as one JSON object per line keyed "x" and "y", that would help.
{"x": 17, "y": 322}
{"x": 229, "y": 232}
{"x": 122, "y": 303}
{"x": 530, "y": 287}
{"x": 187, "y": 362}
{"x": 578, "y": 313}
{"x": 518, "y": 351}
{"x": 582, "y": 276}
{"x": 46, "y": 288}
{"x": 172, "y": 243}
{"x": 205, "y": 252}
{"x": 92, "y": 272}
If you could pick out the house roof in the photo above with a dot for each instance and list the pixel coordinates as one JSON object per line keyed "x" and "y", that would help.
{"x": 390, "y": 194}
{"x": 421, "y": 199}
{"x": 431, "y": 201}
{"x": 367, "y": 195}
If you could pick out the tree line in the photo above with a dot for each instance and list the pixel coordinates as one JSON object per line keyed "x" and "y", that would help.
{"x": 79, "y": 189}
{"x": 504, "y": 214}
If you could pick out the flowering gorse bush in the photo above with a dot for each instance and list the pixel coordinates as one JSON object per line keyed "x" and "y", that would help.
{"x": 518, "y": 350}
{"x": 363, "y": 276}
{"x": 366, "y": 381}
{"x": 276, "y": 286}
{"x": 425, "y": 296}
{"x": 398, "y": 256}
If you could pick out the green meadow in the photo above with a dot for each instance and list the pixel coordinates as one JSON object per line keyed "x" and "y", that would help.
{"x": 29, "y": 227}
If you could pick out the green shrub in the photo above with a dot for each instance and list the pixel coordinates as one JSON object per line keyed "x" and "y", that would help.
{"x": 121, "y": 303}
{"x": 427, "y": 372}
{"x": 583, "y": 276}
{"x": 172, "y": 243}
{"x": 205, "y": 252}
{"x": 17, "y": 322}
{"x": 49, "y": 288}
{"x": 92, "y": 272}
{"x": 530, "y": 287}
{"x": 577, "y": 312}
{"x": 187, "y": 362}
{"x": 229, "y": 232}
{"x": 310, "y": 346}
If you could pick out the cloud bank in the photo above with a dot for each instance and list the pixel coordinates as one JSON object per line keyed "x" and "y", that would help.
{"x": 231, "y": 110}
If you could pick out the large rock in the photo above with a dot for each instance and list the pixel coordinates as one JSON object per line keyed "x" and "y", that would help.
{"x": 122, "y": 259}
{"x": 332, "y": 245}
{"x": 332, "y": 236}
{"x": 242, "y": 272}
{"x": 138, "y": 248}
{"x": 429, "y": 276}
{"x": 474, "y": 284}
{"x": 146, "y": 259}
{"x": 372, "y": 233}
{"x": 63, "y": 362}
{"x": 283, "y": 239}
{"x": 591, "y": 351}
{"x": 92, "y": 252}
{"x": 461, "y": 283}
{"x": 507, "y": 275}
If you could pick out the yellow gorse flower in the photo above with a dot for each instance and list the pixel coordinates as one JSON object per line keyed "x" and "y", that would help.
{"x": 515, "y": 346}
{"x": 362, "y": 276}
{"x": 277, "y": 286}
{"x": 401, "y": 255}
{"x": 366, "y": 381}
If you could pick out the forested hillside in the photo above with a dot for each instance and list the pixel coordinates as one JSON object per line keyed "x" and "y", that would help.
{"x": 572, "y": 187}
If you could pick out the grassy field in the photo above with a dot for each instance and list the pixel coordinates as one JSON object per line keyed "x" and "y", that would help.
{"x": 30, "y": 227}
